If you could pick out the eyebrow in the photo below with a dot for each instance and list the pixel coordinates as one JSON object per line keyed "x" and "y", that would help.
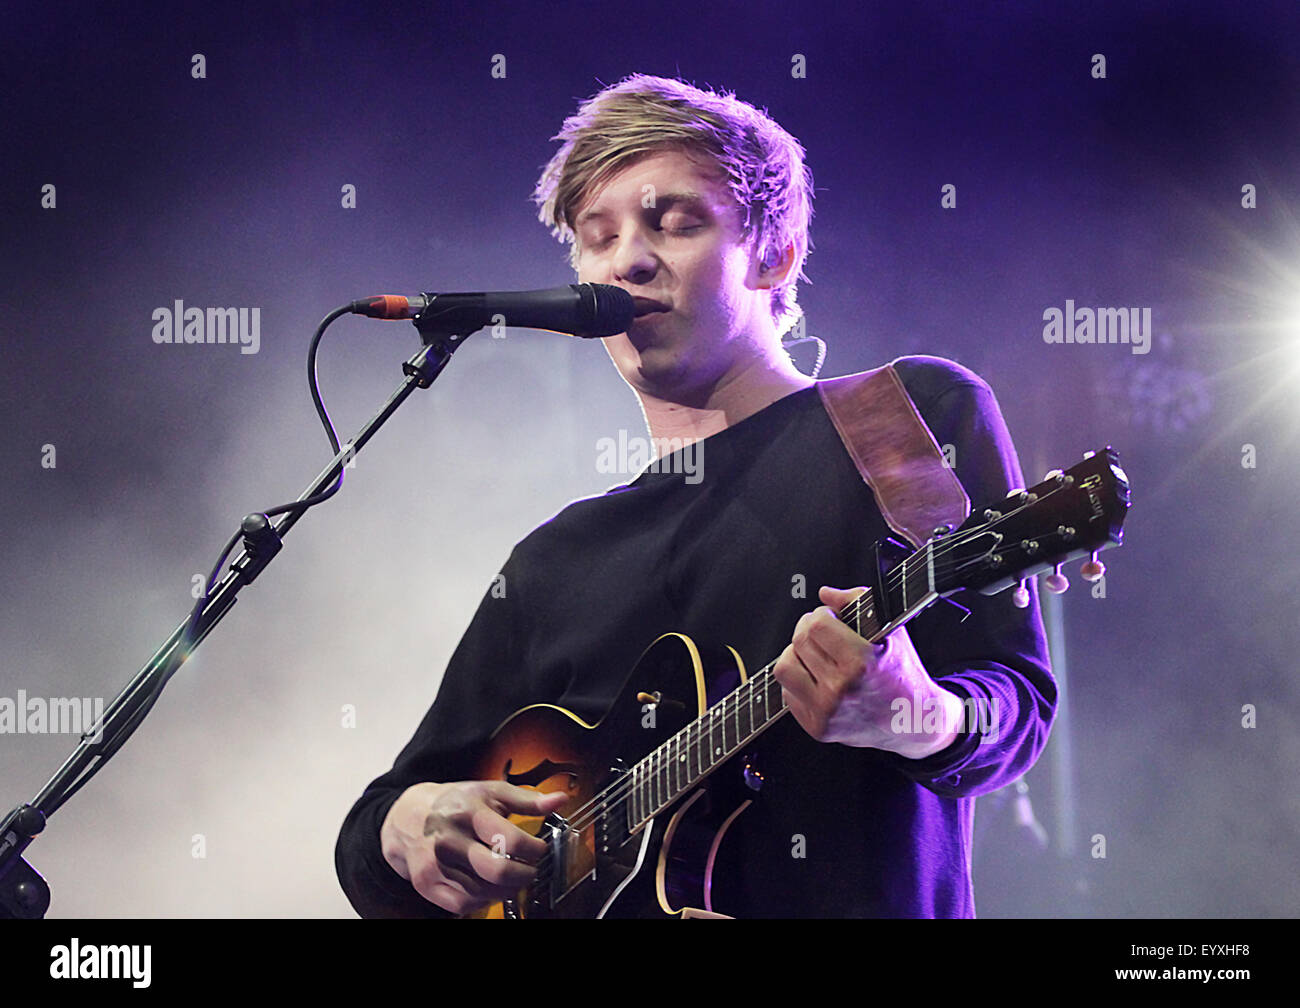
{"x": 663, "y": 203}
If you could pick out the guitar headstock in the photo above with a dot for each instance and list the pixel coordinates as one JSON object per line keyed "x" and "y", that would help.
{"x": 1069, "y": 514}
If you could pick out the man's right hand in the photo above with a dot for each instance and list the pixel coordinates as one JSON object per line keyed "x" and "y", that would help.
{"x": 456, "y": 847}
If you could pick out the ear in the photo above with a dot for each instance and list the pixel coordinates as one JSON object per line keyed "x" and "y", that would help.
{"x": 766, "y": 275}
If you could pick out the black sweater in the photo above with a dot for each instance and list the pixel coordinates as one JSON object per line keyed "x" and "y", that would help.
{"x": 840, "y": 831}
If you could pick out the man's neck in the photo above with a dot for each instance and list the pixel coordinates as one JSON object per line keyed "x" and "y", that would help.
{"x": 737, "y": 396}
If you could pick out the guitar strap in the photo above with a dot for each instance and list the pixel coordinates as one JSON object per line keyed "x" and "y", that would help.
{"x": 895, "y": 452}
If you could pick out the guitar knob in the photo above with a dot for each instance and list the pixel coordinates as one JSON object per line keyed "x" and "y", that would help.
{"x": 1093, "y": 569}
{"x": 1056, "y": 582}
{"x": 753, "y": 776}
{"x": 1020, "y": 597}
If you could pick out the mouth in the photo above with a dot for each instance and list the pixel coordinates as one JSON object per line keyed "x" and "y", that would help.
{"x": 648, "y": 306}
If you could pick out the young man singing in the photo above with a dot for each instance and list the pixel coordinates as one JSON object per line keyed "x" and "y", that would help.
{"x": 698, "y": 205}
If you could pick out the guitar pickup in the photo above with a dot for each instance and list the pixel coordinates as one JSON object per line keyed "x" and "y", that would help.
{"x": 568, "y": 857}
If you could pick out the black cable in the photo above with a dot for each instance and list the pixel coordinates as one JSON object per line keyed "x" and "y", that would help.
{"x": 108, "y": 747}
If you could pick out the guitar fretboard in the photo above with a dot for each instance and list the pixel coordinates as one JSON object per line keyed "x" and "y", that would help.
{"x": 728, "y": 726}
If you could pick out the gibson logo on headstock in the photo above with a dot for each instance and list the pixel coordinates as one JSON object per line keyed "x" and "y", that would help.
{"x": 1091, "y": 485}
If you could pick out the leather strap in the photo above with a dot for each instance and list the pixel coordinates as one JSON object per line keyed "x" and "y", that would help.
{"x": 895, "y": 452}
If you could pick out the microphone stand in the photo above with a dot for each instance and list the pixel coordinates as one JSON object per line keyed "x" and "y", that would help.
{"x": 23, "y": 893}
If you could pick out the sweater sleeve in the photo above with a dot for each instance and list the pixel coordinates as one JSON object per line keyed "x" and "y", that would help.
{"x": 996, "y": 657}
{"x": 487, "y": 674}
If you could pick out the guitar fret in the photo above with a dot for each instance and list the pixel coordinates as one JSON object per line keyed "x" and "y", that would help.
{"x": 720, "y": 716}
{"x": 673, "y": 785}
{"x": 866, "y": 607}
{"x": 645, "y": 792}
{"x": 650, "y": 782}
{"x": 709, "y": 761}
{"x": 670, "y": 772}
{"x": 726, "y": 746}
{"x": 737, "y": 727}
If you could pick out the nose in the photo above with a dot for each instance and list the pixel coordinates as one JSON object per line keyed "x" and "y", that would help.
{"x": 634, "y": 261}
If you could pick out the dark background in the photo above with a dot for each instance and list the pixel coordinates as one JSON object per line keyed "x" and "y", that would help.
{"x": 1123, "y": 191}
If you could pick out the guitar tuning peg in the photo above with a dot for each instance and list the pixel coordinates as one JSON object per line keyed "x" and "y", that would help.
{"x": 1020, "y": 597}
{"x": 1093, "y": 569}
{"x": 1056, "y": 582}
{"x": 1089, "y": 454}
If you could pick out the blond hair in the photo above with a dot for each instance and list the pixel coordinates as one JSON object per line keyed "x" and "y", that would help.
{"x": 641, "y": 116}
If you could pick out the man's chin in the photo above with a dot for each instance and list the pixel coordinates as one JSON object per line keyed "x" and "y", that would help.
{"x": 651, "y": 363}
{"x": 657, "y": 364}
{"x": 649, "y": 350}
{"x": 670, "y": 377}
{"x": 646, "y": 331}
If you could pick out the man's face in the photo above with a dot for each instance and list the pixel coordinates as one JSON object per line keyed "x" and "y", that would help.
{"x": 667, "y": 230}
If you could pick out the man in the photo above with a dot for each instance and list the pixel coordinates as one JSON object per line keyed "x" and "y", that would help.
{"x": 698, "y": 205}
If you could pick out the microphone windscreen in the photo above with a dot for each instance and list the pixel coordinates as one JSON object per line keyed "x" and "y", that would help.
{"x": 608, "y": 310}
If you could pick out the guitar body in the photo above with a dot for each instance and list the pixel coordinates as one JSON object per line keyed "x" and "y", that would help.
{"x": 606, "y": 859}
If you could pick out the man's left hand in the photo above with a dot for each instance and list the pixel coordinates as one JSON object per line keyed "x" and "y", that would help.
{"x": 841, "y": 688}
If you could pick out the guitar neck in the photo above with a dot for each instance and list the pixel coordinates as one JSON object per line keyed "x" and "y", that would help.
{"x": 742, "y": 715}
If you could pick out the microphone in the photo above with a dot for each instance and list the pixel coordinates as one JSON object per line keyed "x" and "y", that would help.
{"x": 587, "y": 310}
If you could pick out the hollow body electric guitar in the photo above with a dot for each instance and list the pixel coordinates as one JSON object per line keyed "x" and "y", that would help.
{"x": 641, "y": 829}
